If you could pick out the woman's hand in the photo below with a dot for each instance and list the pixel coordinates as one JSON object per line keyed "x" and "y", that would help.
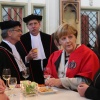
{"x": 3, "y": 96}
{"x": 2, "y": 86}
{"x": 2, "y": 83}
{"x": 82, "y": 89}
{"x": 17, "y": 86}
{"x": 53, "y": 82}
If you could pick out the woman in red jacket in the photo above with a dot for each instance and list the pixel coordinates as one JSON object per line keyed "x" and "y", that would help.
{"x": 74, "y": 64}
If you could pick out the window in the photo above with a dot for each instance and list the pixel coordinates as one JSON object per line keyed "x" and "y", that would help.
{"x": 89, "y": 21}
{"x": 40, "y": 10}
{"x": 13, "y": 11}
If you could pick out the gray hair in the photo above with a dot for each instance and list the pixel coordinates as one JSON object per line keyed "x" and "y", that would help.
{"x": 4, "y": 33}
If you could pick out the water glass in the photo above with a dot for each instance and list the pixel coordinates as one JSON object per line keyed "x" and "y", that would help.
{"x": 47, "y": 73}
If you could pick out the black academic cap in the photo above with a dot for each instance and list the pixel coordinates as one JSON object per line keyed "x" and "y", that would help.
{"x": 9, "y": 24}
{"x": 32, "y": 17}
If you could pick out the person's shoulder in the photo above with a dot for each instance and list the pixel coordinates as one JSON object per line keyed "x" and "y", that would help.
{"x": 45, "y": 34}
{"x": 89, "y": 51}
{"x": 58, "y": 52}
{"x": 55, "y": 54}
{"x": 25, "y": 35}
{"x": 85, "y": 48}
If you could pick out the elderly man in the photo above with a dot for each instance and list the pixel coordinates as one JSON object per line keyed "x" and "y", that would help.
{"x": 9, "y": 57}
{"x": 35, "y": 47}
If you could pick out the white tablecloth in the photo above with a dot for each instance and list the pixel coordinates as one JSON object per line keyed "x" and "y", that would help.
{"x": 61, "y": 94}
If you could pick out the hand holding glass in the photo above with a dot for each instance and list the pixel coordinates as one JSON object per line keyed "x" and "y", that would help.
{"x": 47, "y": 73}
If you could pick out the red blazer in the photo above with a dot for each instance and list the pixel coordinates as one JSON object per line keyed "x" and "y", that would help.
{"x": 87, "y": 63}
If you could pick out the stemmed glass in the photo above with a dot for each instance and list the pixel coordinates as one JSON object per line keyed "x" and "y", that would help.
{"x": 25, "y": 73}
{"x": 47, "y": 73}
{"x": 6, "y": 74}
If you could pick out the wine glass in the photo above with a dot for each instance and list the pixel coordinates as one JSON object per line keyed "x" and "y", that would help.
{"x": 12, "y": 83}
{"x": 6, "y": 74}
{"x": 25, "y": 73}
{"x": 47, "y": 73}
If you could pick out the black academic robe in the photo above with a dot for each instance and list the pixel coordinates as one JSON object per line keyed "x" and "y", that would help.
{"x": 24, "y": 46}
{"x": 8, "y": 61}
{"x": 93, "y": 91}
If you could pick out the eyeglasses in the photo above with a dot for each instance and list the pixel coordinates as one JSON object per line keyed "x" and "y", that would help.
{"x": 17, "y": 30}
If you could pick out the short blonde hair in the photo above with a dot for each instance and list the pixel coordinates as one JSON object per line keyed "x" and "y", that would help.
{"x": 66, "y": 29}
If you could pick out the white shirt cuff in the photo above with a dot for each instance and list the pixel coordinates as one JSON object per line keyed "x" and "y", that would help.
{"x": 26, "y": 61}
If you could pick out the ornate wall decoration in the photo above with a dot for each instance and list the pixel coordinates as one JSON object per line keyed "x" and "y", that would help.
{"x": 69, "y": 11}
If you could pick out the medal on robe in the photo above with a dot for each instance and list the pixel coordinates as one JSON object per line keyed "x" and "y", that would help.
{"x": 72, "y": 64}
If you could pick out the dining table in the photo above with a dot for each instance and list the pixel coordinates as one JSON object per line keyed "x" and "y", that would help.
{"x": 59, "y": 94}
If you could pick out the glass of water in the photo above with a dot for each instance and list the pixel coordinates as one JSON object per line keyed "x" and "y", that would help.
{"x": 47, "y": 73}
{"x": 12, "y": 82}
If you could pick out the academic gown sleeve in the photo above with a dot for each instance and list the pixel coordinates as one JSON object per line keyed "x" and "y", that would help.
{"x": 92, "y": 93}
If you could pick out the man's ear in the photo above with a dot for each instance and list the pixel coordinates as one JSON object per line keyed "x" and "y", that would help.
{"x": 9, "y": 33}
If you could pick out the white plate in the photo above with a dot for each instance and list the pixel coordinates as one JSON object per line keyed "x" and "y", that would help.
{"x": 47, "y": 92}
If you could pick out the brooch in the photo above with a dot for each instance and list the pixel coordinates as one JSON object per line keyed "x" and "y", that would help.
{"x": 72, "y": 64}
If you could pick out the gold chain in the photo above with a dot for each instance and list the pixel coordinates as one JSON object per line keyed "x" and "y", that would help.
{"x": 20, "y": 60}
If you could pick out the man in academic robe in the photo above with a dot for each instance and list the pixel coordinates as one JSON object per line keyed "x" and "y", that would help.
{"x": 35, "y": 48}
{"x": 9, "y": 56}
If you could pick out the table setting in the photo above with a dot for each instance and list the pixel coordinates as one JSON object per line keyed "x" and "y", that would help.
{"x": 32, "y": 91}
{"x": 28, "y": 90}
